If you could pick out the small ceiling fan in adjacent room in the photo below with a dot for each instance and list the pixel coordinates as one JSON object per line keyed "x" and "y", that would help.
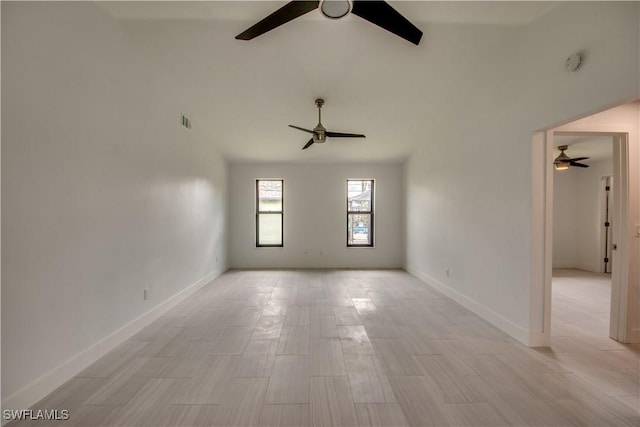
{"x": 377, "y": 12}
{"x": 562, "y": 162}
{"x": 320, "y": 133}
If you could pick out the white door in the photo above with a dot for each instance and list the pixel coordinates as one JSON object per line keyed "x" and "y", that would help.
{"x": 607, "y": 226}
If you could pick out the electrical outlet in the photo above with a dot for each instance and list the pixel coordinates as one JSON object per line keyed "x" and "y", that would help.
{"x": 447, "y": 272}
{"x": 146, "y": 294}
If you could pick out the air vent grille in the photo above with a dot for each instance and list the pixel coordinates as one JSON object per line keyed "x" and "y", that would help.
{"x": 186, "y": 122}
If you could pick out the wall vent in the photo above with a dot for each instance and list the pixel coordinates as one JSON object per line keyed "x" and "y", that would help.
{"x": 185, "y": 121}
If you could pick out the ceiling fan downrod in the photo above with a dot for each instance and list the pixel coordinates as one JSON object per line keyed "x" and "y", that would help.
{"x": 319, "y": 135}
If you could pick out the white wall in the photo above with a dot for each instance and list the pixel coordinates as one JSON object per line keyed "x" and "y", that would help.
{"x": 0, "y": 235}
{"x": 589, "y": 237}
{"x": 103, "y": 194}
{"x": 565, "y": 219}
{"x": 577, "y": 216}
{"x": 469, "y": 184}
{"x": 315, "y": 216}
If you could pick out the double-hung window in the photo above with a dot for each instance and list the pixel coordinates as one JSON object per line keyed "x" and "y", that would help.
{"x": 269, "y": 212}
{"x": 360, "y": 212}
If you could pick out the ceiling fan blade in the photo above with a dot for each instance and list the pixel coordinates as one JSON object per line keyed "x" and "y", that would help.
{"x": 383, "y": 15}
{"x": 577, "y": 159}
{"x": 308, "y": 144}
{"x": 302, "y": 129}
{"x": 580, "y": 165}
{"x": 344, "y": 135}
{"x": 286, "y": 13}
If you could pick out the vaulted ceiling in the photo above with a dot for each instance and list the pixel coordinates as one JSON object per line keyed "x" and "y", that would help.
{"x": 245, "y": 93}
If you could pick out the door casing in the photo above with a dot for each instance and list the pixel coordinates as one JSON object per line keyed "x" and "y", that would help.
{"x": 542, "y": 235}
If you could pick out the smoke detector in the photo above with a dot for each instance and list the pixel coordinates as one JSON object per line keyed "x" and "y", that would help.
{"x": 573, "y": 62}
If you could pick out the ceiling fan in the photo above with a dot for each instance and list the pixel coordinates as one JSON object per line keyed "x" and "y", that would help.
{"x": 563, "y": 161}
{"x": 320, "y": 133}
{"x": 377, "y": 12}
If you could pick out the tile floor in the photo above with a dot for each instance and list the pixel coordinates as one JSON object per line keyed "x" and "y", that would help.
{"x": 349, "y": 348}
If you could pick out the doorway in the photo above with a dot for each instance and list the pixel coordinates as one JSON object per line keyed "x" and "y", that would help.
{"x": 582, "y": 235}
{"x": 619, "y": 123}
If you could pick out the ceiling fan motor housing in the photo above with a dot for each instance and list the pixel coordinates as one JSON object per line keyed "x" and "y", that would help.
{"x": 335, "y": 9}
{"x": 319, "y": 136}
{"x": 562, "y": 157}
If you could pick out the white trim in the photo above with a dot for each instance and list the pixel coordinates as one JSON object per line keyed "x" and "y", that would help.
{"x": 565, "y": 264}
{"x": 541, "y": 239}
{"x": 48, "y": 382}
{"x": 542, "y": 228}
{"x": 539, "y": 339}
{"x": 619, "y": 325}
{"x": 590, "y": 267}
{"x": 515, "y": 331}
{"x": 593, "y": 267}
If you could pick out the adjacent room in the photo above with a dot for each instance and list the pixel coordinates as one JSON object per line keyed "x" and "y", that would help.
{"x": 583, "y": 236}
{"x": 327, "y": 213}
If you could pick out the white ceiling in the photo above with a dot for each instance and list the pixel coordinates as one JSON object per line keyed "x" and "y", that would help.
{"x": 245, "y": 93}
{"x": 477, "y": 12}
{"x": 595, "y": 147}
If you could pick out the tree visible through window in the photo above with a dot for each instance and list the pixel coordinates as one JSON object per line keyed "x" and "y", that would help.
{"x": 359, "y": 212}
{"x": 269, "y": 212}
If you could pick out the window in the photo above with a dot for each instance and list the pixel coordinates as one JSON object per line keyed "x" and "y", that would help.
{"x": 269, "y": 212}
{"x": 359, "y": 213}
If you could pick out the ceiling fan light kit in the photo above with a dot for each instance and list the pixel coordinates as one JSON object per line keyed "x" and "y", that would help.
{"x": 573, "y": 62}
{"x": 377, "y": 12}
{"x": 335, "y": 9}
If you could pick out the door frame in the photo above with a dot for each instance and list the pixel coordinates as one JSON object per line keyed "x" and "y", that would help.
{"x": 542, "y": 234}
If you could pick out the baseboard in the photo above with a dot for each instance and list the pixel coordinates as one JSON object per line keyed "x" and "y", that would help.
{"x": 517, "y": 332}
{"x": 539, "y": 339}
{"x": 565, "y": 264}
{"x": 634, "y": 337}
{"x": 45, "y": 384}
{"x": 593, "y": 268}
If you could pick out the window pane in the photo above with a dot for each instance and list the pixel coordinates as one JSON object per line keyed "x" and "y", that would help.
{"x": 270, "y": 229}
{"x": 359, "y": 195}
{"x": 270, "y": 196}
{"x": 359, "y": 229}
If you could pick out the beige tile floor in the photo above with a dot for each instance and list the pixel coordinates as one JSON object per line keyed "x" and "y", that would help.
{"x": 581, "y": 303}
{"x": 349, "y": 348}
